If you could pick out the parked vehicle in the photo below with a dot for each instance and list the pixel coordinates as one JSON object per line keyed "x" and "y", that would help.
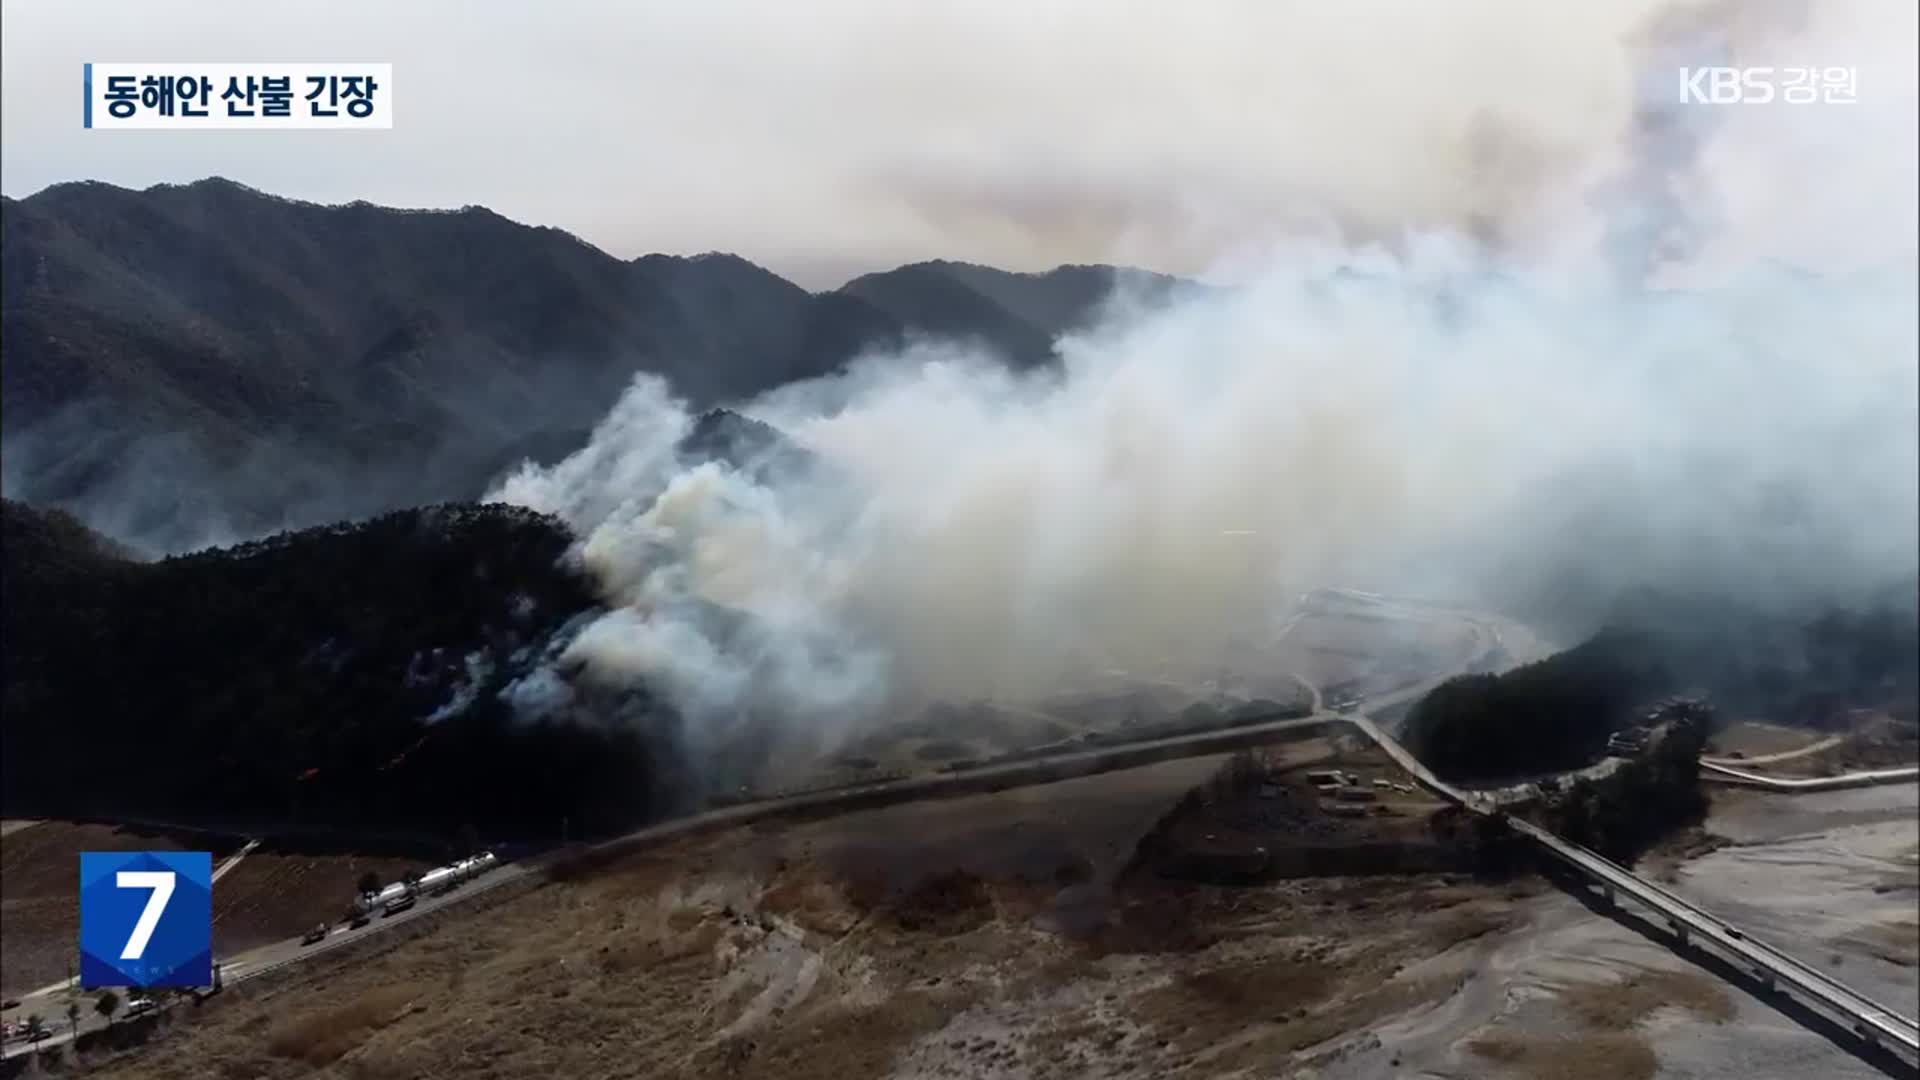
{"x": 318, "y": 933}
{"x": 399, "y": 904}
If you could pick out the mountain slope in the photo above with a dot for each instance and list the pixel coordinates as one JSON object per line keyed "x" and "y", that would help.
{"x": 346, "y": 675}
{"x": 1017, "y": 316}
{"x": 206, "y": 362}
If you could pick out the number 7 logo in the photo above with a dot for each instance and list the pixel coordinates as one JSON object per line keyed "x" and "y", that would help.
{"x": 146, "y": 918}
{"x": 161, "y": 882}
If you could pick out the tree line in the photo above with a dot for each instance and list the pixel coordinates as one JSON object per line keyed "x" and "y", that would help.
{"x": 315, "y": 677}
{"x": 1796, "y": 666}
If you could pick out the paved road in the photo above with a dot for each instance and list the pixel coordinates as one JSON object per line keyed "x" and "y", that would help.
{"x": 234, "y": 860}
{"x": 1713, "y": 770}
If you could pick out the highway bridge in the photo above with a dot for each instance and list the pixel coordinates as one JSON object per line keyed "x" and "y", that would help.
{"x": 1878, "y": 1024}
{"x": 1872, "y": 1021}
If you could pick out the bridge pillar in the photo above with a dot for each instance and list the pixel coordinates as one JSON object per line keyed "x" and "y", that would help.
{"x": 1606, "y": 893}
{"x": 1679, "y": 930}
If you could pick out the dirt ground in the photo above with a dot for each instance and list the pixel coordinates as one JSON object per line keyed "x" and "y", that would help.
{"x": 1830, "y": 877}
{"x": 1599, "y": 1039}
{"x": 1005, "y": 935}
{"x": 40, "y": 892}
{"x": 1872, "y": 747}
{"x": 1753, "y": 739}
{"x": 995, "y": 935}
{"x": 1261, "y": 817}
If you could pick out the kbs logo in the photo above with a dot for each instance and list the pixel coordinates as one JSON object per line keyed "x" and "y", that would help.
{"x": 1761, "y": 85}
{"x": 146, "y": 918}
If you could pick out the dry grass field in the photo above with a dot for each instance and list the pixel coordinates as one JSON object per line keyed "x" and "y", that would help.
{"x": 40, "y": 892}
{"x": 998, "y": 934}
{"x": 1604, "y": 1042}
{"x": 1027, "y": 934}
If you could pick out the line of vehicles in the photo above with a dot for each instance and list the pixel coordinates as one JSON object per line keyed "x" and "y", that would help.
{"x": 37, "y": 1028}
{"x": 403, "y": 895}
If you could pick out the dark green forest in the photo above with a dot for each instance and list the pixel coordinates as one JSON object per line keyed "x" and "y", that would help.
{"x": 342, "y": 675}
{"x": 1547, "y": 716}
{"x": 1787, "y": 667}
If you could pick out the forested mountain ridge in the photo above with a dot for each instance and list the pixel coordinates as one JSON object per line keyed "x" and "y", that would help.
{"x": 205, "y": 362}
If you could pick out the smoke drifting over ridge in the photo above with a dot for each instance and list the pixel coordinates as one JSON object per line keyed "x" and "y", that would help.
{"x": 1623, "y": 384}
{"x": 831, "y": 139}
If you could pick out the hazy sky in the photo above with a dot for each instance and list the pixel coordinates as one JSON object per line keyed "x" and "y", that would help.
{"x": 829, "y": 138}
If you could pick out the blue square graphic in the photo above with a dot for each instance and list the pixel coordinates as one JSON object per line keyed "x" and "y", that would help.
{"x": 146, "y": 918}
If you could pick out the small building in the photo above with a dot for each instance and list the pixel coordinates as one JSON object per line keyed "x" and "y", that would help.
{"x": 1628, "y": 741}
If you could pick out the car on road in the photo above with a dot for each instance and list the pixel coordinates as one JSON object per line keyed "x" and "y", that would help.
{"x": 30, "y": 1029}
{"x": 318, "y": 933}
{"x": 399, "y": 904}
{"x": 140, "y": 1007}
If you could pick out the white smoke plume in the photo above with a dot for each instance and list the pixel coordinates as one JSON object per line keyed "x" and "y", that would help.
{"x": 1691, "y": 359}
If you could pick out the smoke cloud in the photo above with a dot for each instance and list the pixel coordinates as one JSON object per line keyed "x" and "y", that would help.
{"x": 1688, "y": 360}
